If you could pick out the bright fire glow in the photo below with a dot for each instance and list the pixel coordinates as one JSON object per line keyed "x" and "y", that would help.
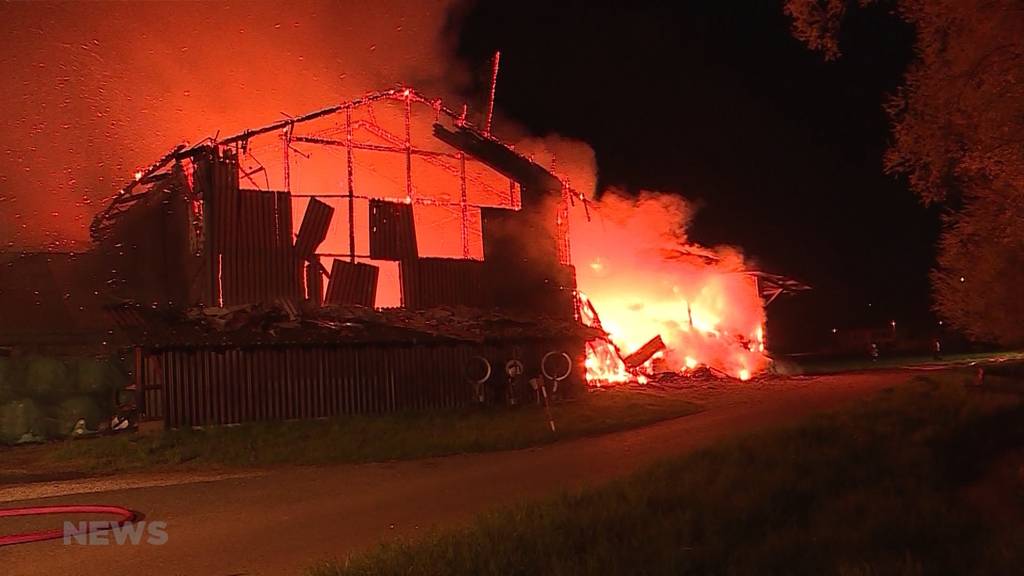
{"x": 645, "y": 279}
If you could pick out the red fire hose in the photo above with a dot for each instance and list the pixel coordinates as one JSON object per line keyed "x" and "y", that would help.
{"x": 124, "y": 516}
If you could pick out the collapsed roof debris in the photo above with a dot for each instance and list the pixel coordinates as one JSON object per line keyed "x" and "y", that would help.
{"x": 262, "y": 324}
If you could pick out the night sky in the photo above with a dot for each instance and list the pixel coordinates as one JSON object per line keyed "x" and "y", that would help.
{"x": 715, "y": 101}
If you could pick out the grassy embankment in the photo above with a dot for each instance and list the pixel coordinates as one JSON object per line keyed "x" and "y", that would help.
{"x": 356, "y": 438}
{"x": 922, "y": 479}
{"x": 829, "y": 365}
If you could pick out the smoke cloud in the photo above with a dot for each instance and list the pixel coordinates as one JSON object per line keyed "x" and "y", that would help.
{"x": 92, "y": 91}
{"x": 646, "y": 278}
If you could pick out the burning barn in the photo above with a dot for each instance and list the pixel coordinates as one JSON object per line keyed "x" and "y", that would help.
{"x": 249, "y": 268}
{"x": 385, "y": 254}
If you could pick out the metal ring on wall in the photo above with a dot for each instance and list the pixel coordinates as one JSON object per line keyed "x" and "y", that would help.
{"x": 544, "y": 366}
{"x": 487, "y": 364}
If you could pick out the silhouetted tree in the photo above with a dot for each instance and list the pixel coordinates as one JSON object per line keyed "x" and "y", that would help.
{"x": 958, "y": 135}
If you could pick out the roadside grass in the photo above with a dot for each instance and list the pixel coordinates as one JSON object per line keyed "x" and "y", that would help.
{"x": 811, "y": 366}
{"x": 877, "y": 488}
{"x": 367, "y": 438}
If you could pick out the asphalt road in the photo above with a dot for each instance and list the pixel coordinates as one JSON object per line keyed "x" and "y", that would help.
{"x": 283, "y": 521}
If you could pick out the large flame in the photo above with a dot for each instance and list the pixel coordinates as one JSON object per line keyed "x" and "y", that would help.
{"x": 635, "y": 266}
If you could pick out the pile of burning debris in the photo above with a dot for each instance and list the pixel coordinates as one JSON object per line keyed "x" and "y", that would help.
{"x": 608, "y": 364}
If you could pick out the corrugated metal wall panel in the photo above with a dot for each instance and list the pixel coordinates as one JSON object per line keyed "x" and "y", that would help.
{"x": 429, "y": 282}
{"x": 258, "y": 263}
{"x": 352, "y": 283}
{"x": 313, "y": 231}
{"x": 214, "y": 387}
{"x": 249, "y": 232}
{"x": 392, "y": 231}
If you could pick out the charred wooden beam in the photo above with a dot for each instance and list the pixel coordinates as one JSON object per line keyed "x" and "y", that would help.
{"x": 372, "y": 147}
{"x": 644, "y": 353}
{"x": 501, "y": 158}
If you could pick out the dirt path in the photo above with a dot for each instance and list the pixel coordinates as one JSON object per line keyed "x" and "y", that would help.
{"x": 284, "y": 521}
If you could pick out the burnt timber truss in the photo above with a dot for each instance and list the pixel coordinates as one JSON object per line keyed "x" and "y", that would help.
{"x": 527, "y": 181}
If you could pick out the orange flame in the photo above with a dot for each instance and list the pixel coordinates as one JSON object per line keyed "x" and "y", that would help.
{"x": 647, "y": 280}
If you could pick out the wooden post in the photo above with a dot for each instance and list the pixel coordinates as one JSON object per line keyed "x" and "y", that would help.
{"x": 490, "y": 101}
{"x": 463, "y": 205}
{"x": 351, "y": 192}
{"x": 140, "y": 382}
{"x": 408, "y": 147}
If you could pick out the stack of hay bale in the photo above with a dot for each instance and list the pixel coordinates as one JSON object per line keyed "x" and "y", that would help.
{"x": 43, "y": 397}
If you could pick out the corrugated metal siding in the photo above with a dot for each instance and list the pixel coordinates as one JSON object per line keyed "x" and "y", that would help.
{"x": 315, "y": 223}
{"x": 147, "y": 253}
{"x": 352, "y": 283}
{"x": 258, "y": 263}
{"x": 392, "y": 231}
{"x": 251, "y": 258}
{"x": 214, "y": 387}
{"x": 429, "y": 282}
{"x": 216, "y": 177}
{"x": 150, "y": 380}
{"x": 261, "y": 276}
